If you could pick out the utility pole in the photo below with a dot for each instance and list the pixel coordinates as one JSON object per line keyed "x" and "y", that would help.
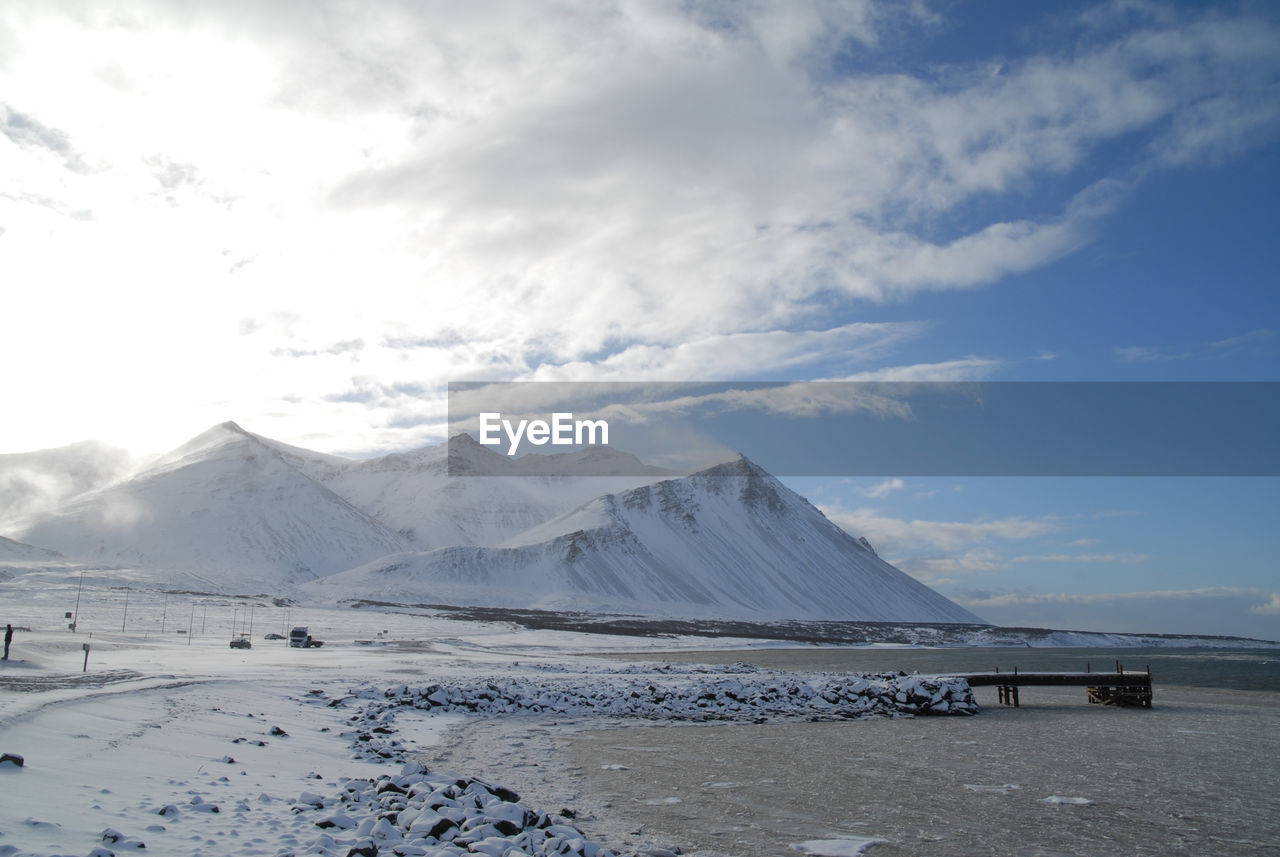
{"x": 164, "y": 614}
{"x": 75, "y": 617}
{"x": 191, "y": 623}
{"x": 126, "y": 609}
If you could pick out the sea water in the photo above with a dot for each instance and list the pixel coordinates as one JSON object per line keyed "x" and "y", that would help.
{"x": 1233, "y": 669}
{"x": 1196, "y": 774}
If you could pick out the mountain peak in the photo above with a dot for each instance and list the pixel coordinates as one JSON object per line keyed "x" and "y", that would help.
{"x": 228, "y": 508}
{"x": 215, "y": 440}
{"x": 468, "y": 457}
{"x": 738, "y": 466}
{"x": 730, "y": 541}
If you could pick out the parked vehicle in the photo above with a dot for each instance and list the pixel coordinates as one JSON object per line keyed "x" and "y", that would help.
{"x": 241, "y": 643}
{"x": 298, "y": 637}
{"x": 274, "y": 636}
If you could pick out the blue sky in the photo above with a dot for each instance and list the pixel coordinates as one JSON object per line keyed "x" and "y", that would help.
{"x": 311, "y": 217}
{"x": 1157, "y": 554}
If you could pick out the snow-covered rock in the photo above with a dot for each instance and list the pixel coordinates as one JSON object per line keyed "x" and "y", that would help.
{"x": 422, "y": 812}
{"x": 690, "y": 692}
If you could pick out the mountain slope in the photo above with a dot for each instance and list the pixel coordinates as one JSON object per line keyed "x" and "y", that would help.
{"x": 231, "y": 511}
{"x": 18, "y": 551}
{"x": 33, "y": 483}
{"x": 730, "y": 541}
{"x": 462, "y": 493}
{"x": 225, "y": 510}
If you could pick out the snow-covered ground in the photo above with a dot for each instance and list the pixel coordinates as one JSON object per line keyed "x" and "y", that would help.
{"x": 184, "y": 744}
{"x": 413, "y": 734}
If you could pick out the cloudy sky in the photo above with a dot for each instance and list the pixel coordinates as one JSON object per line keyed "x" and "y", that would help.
{"x": 309, "y": 217}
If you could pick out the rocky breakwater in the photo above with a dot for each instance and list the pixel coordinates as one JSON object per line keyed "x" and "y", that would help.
{"x": 676, "y": 694}
{"x": 417, "y": 813}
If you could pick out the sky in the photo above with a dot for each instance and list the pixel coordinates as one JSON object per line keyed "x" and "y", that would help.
{"x": 310, "y": 217}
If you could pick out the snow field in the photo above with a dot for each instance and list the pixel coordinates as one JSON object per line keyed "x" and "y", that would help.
{"x": 188, "y": 747}
{"x": 210, "y": 767}
{"x": 164, "y": 729}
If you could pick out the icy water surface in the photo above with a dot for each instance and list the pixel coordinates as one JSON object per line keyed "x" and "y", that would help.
{"x": 1236, "y": 669}
{"x": 1195, "y": 775}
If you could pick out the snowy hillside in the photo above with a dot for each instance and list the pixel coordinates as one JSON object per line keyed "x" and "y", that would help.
{"x": 33, "y": 483}
{"x": 226, "y": 511}
{"x": 481, "y": 503}
{"x": 462, "y": 524}
{"x": 728, "y": 541}
{"x": 11, "y": 550}
{"x": 16, "y": 557}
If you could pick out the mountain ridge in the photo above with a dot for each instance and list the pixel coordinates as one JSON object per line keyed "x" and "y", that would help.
{"x": 728, "y": 541}
{"x": 237, "y": 512}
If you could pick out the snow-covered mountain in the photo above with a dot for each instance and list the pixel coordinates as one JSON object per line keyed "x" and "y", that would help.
{"x": 461, "y": 524}
{"x": 11, "y": 550}
{"x": 33, "y": 483}
{"x": 226, "y": 510}
{"x": 233, "y": 511}
{"x": 730, "y": 541}
{"x": 415, "y": 494}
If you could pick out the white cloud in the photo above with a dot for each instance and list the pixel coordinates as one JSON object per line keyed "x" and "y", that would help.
{"x": 1270, "y": 607}
{"x": 937, "y": 569}
{"x": 891, "y": 535}
{"x": 1216, "y": 610}
{"x": 1109, "y": 558}
{"x": 535, "y": 190}
{"x": 1254, "y": 342}
{"x": 965, "y": 369}
{"x": 885, "y": 488}
{"x": 935, "y": 551}
{"x": 1146, "y": 354}
{"x": 1253, "y": 339}
{"x": 738, "y": 356}
{"x": 1270, "y": 600}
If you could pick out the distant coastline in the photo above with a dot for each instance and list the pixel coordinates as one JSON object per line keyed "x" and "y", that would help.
{"x": 821, "y": 632}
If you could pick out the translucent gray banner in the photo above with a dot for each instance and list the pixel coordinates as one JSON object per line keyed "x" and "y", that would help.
{"x": 814, "y": 428}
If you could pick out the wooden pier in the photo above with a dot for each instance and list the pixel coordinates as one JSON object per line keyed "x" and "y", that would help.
{"x": 1122, "y": 687}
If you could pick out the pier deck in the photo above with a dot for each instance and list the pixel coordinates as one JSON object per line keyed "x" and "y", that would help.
{"x": 1122, "y": 687}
